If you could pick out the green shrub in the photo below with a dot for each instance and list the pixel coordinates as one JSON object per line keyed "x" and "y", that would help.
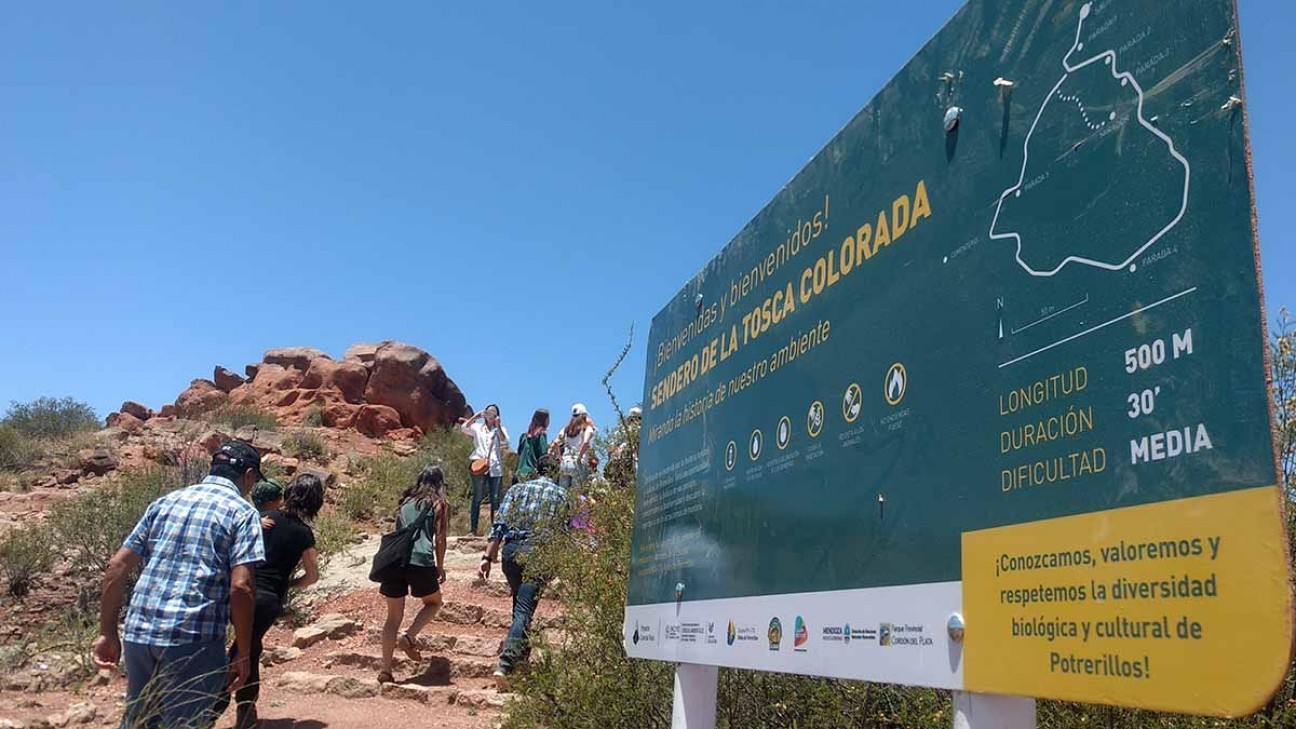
{"x": 383, "y": 478}
{"x": 93, "y": 526}
{"x": 24, "y": 554}
{"x": 238, "y": 416}
{"x": 333, "y": 533}
{"x": 17, "y": 451}
{"x": 314, "y": 418}
{"x": 306, "y": 445}
{"x": 48, "y": 417}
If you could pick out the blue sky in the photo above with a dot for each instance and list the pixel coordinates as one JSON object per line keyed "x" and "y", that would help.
{"x": 509, "y": 186}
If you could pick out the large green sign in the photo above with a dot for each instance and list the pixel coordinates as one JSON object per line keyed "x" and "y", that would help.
{"x": 1018, "y": 288}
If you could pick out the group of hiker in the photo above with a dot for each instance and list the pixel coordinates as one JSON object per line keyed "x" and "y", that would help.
{"x": 208, "y": 557}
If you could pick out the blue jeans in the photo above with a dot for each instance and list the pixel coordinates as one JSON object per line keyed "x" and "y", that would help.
{"x": 526, "y": 589}
{"x": 482, "y": 485}
{"x": 173, "y": 687}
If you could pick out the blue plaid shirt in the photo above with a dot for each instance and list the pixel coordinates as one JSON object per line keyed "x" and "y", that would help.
{"x": 526, "y": 506}
{"x": 190, "y": 539}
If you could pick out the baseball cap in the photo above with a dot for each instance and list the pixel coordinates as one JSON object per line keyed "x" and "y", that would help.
{"x": 579, "y": 409}
{"x": 265, "y": 492}
{"x": 240, "y": 456}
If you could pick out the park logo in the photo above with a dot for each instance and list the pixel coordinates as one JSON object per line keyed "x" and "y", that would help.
{"x": 801, "y": 636}
{"x": 884, "y": 634}
{"x": 731, "y": 634}
{"x": 846, "y": 636}
{"x": 643, "y": 633}
{"x": 775, "y": 634}
{"x": 710, "y": 633}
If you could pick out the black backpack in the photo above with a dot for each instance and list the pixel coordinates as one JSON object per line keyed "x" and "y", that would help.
{"x": 394, "y": 552}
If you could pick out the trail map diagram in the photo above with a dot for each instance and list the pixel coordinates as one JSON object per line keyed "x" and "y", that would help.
{"x": 1095, "y": 189}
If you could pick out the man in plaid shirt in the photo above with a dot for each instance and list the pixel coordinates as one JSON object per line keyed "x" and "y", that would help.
{"x": 528, "y": 509}
{"x": 198, "y": 547}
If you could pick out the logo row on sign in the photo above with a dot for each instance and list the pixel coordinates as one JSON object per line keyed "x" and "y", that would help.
{"x": 894, "y": 387}
{"x": 884, "y": 634}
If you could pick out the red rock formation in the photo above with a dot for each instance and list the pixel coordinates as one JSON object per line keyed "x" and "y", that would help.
{"x": 388, "y": 390}
{"x": 226, "y": 380}
{"x": 202, "y": 396}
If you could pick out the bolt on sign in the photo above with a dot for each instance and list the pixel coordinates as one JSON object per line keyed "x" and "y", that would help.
{"x": 978, "y": 401}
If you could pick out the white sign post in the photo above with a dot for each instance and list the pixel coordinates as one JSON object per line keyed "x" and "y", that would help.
{"x": 694, "y": 706}
{"x": 990, "y": 711}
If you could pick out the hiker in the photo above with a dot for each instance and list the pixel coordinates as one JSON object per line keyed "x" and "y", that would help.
{"x": 574, "y": 448}
{"x": 529, "y": 510}
{"x": 289, "y": 540}
{"x": 486, "y": 461}
{"x": 623, "y": 462}
{"x": 197, "y": 547}
{"x": 426, "y": 571}
{"x": 532, "y": 446}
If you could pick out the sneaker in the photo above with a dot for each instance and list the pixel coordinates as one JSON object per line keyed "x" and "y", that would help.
{"x": 501, "y": 680}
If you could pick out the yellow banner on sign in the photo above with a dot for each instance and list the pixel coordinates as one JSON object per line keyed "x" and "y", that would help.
{"x": 1181, "y": 606}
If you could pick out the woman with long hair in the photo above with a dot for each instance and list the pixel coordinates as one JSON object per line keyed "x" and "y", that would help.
{"x": 426, "y": 571}
{"x": 574, "y": 447}
{"x": 489, "y": 440}
{"x": 532, "y": 446}
{"x": 289, "y": 540}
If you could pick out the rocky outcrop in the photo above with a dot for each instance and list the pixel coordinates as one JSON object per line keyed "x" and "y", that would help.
{"x": 294, "y": 357}
{"x": 413, "y": 383}
{"x": 202, "y": 396}
{"x": 225, "y": 380}
{"x": 389, "y": 390}
{"x": 137, "y": 410}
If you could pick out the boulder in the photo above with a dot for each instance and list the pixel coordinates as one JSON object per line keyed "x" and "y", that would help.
{"x": 167, "y": 411}
{"x": 288, "y": 465}
{"x": 128, "y": 423}
{"x": 362, "y": 353}
{"x": 338, "y": 415}
{"x": 419, "y": 693}
{"x": 326, "y": 477}
{"x": 345, "y": 379}
{"x": 412, "y": 382}
{"x": 280, "y": 654}
{"x": 461, "y": 613}
{"x": 352, "y": 688}
{"x": 98, "y": 461}
{"x": 481, "y": 699}
{"x": 301, "y": 682}
{"x": 202, "y": 396}
{"x": 476, "y": 645}
{"x": 226, "y": 380}
{"x": 139, "y": 411}
{"x": 66, "y": 476}
{"x": 329, "y": 627}
{"x": 111, "y": 420}
{"x": 298, "y": 358}
{"x": 251, "y": 371}
{"x": 376, "y": 421}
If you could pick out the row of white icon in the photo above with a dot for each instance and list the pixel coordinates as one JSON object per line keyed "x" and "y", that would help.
{"x": 894, "y": 387}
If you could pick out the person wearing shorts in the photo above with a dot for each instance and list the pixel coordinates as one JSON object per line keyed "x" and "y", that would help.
{"x": 423, "y": 577}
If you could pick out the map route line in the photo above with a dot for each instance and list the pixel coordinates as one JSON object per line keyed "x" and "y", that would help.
{"x": 1096, "y": 327}
{"x": 1125, "y": 78}
{"x": 1059, "y": 312}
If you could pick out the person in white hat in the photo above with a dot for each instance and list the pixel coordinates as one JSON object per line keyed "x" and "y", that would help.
{"x": 574, "y": 444}
{"x": 625, "y": 445}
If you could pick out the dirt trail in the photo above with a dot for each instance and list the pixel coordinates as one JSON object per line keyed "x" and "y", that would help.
{"x": 332, "y": 684}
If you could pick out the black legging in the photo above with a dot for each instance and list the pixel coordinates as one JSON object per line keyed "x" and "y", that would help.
{"x": 268, "y": 608}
